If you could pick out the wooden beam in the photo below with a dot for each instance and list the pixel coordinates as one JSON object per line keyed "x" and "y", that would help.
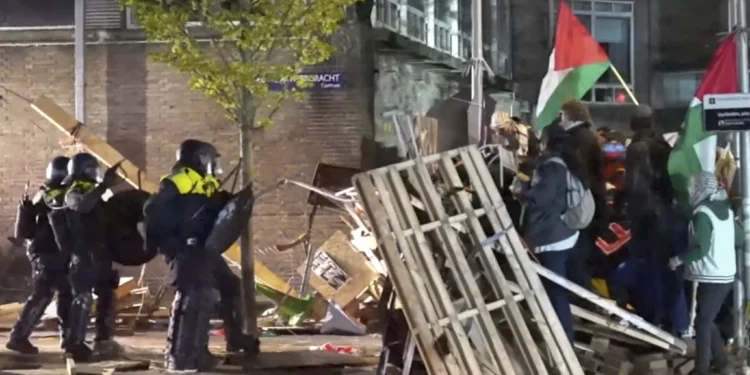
{"x": 135, "y": 176}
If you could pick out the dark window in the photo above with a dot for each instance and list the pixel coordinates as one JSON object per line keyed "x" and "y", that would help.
{"x": 35, "y": 13}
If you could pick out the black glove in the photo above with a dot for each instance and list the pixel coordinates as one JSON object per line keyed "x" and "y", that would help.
{"x": 110, "y": 175}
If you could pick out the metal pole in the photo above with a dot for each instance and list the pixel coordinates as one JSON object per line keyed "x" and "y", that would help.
{"x": 477, "y": 76}
{"x": 551, "y": 21}
{"x": 80, "y": 60}
{"x": 741, "y": 17}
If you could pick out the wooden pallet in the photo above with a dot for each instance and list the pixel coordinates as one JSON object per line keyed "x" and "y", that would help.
{"x": 426, "y": 257}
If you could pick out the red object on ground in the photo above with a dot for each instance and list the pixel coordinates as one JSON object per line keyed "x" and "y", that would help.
{"x": 328, "y": 347}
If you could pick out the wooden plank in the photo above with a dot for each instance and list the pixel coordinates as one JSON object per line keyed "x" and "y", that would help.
{"x": 560, "y": 349}
{"x": 492, "y": 306}
{"x": 461, "y": 269}
{"x": 423, "y": 261}
{"x": 636, "y": 320}
{"x": 616, "y": 326}
{"x": 427, "y": 135}
{"x": 497, "y": 279}
{"x": 135, "y": 176}
{"x": 407, "y": 292}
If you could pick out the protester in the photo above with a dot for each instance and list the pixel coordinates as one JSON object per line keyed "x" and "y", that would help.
{"x": 545, "y": 201}
{"x": 644, "y": 130}
{"x": 710, "y": 261}
{"x": 582, "y": 145}
{"x": 601, "y": 134}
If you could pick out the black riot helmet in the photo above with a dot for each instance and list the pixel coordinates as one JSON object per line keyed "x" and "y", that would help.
{"x": 57, "y": 170}
{"x": 200, "y": 156}
{"x": 84, "y": 165}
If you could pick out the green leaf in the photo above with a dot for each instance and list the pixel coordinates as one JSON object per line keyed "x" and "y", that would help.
{"x": 243, "y": 46}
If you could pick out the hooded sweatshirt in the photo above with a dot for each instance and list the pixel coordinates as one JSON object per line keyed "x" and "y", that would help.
{"x": 714, "y": 233}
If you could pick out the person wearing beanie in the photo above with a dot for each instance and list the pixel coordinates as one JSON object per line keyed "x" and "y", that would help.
{"x": 710, "y": 261}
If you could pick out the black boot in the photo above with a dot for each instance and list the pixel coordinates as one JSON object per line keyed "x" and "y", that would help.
{"x": 64, "y": 301}
{"x": 232, "y": 324}
{"x": 75, "y": 337}
{"x": 105, "y": 346}
{"x": 30, "y": 316}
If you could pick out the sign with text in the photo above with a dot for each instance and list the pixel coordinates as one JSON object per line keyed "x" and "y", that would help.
{"x": 726, "y": 112}
{"x": 319, "y": 81}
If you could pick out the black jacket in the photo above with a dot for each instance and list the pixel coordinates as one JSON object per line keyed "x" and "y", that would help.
{"x": 659, "y": 151}
{"x": 545, "y": 203}
{"x": 177, "y": 225}
{"x": 85, "y": 217}
{"x": 43, "y": 241}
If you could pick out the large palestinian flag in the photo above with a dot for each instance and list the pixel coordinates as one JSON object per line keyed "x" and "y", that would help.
{"x": 695, "y": 149}
{"x": 576, "y": 63}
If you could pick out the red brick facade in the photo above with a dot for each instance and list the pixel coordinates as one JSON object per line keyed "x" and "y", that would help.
{"x": 145, "y": 110}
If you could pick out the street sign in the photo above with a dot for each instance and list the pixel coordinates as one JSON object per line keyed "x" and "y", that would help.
{"x": 726, "y": 112}
{"x": 318, "y": 81}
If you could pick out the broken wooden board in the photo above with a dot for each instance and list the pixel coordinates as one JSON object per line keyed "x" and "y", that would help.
{"x": 359, "y": 274}
{"x": 135, "y": 176}
{"x": 104, "y": 368}
{"x": 676, "y": 344}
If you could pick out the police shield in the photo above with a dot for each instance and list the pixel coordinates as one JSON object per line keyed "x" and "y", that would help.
{"x": 232, "y": 219}
{"x": 124, "y": 210}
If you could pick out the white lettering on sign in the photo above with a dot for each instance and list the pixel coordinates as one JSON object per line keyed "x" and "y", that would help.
{"x": 733, "y": 114}
{"x": 315, "y": 78}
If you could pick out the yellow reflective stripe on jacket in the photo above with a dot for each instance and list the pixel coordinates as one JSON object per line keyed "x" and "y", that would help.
{"x": 189, "y": 181}
{"x": 53, "y": 194}
{"x": 85, "y": 186}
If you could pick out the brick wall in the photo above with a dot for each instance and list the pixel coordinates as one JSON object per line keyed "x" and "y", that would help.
{"x": 145, "y": 110}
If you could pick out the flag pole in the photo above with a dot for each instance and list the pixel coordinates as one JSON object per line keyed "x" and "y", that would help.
{"x": 624, "y": 85}
{"x": 741, "y": 19}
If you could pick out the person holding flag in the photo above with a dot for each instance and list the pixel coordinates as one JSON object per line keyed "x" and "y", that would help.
{"x": 710, "y": 260}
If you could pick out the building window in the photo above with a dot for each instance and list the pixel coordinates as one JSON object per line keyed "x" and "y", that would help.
{"x": 35, "y": 14}
{"x": 611, "y": 24}
{"x": 678, "y": 89}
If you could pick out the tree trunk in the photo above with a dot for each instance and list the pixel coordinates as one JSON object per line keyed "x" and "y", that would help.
{"x": 246, "y": 124}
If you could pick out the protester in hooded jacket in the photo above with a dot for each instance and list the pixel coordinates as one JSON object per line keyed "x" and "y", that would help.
{"x": 711, "y": 262}
{"x": 545, "y": 202}
{"x": 644, "y": 130}
{"x": 583, "y": 145}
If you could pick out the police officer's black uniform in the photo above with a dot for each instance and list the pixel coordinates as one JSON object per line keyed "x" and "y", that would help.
{"x": 78, "y": 232}
{"x": 48, "y": 264}
{"x": 179, "y": 218}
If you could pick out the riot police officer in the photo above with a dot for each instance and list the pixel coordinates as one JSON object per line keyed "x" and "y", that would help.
{"x": 179, "y": 217}
{"x": 78, "y": 232}
{"x": 49, "y": 266}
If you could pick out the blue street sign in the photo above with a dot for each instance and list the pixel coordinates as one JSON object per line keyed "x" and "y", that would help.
{"x": 320, "y": 81}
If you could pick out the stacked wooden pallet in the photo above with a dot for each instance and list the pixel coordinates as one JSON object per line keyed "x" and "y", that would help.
{"x": 470, "y": 292}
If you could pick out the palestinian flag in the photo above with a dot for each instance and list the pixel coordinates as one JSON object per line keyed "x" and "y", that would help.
{"x": 695, "y": 149}
{"x": 576, "y": 63}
